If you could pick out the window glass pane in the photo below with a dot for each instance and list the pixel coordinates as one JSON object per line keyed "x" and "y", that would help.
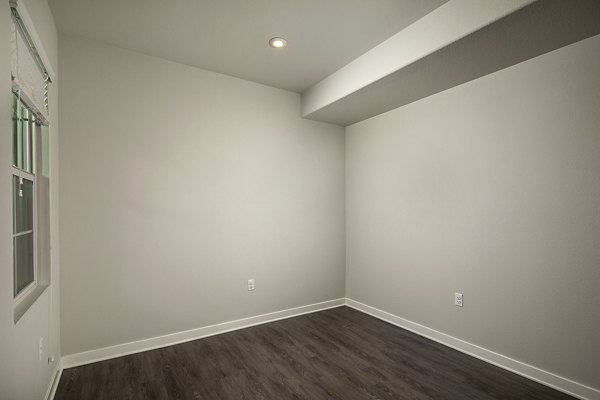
{"x": 22, "y": 205}
{"x": 26, "y": 144}
{"x": 17, "y": 133}
{"x": 24, "y": 137}
{"x": 45, "y": 151}
{"x": 23, "y": 261}
{"x": 34, "y": 130}
{"x": 31, "y": 150}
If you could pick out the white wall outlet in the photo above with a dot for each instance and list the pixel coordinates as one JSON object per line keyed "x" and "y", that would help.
{"x": 251, "y": 284}
{"x": 458, "y": 299}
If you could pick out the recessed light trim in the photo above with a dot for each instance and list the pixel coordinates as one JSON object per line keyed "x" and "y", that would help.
{"x": 277, "y": 42}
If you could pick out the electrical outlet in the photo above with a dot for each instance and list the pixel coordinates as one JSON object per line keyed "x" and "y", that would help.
{"x": 458, "y": 299}
{"x": 41, "y": 348}
{"x": 251, "y": 284}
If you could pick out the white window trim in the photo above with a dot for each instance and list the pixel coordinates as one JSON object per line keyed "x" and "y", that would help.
{"x": 25, "y": 299}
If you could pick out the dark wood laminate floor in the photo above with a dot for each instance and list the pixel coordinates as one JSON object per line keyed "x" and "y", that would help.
{"x": 338, "y": 354}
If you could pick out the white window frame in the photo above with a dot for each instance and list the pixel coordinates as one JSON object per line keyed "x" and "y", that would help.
{"x": 27, "y": 290}
{"x": 28, "y": 295}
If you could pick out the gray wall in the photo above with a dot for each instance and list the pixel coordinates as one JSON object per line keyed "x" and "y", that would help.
{"x": 22, "y": 374}
{"x": 491, "y": 189}
{"x": 178, "y": 185}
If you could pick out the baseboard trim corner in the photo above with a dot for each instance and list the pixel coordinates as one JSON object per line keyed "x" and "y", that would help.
{"x": 554, "y": 381}
{"x": 88, "y": 357}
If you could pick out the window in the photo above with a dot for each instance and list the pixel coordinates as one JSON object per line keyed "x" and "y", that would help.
{"x": 31, "y": 163}
{"x": 30, "y": 188}
{"x": 27, "y": 135}
{"x": 23, "y": 234}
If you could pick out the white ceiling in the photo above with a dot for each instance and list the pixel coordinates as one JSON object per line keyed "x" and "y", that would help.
{"x": 231, "y": 36}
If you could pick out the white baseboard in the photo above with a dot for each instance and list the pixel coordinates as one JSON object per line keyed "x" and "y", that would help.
{"x": 544, "y": 377}
{"x": 54, "y": 382}
{"x": 87, "y": 357}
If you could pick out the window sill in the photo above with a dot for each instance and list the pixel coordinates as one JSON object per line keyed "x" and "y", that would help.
{"x": 26, "y": 302}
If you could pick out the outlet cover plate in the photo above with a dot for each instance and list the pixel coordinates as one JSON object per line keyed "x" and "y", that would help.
{"x": 458, "y": 299}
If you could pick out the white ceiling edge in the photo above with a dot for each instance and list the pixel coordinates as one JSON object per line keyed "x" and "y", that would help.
{"x": 422, "y": 60}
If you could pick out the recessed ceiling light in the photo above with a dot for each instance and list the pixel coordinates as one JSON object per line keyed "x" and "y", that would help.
{"x": 277, "y": 42}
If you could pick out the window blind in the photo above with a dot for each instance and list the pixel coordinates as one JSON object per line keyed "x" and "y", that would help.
{"x": 30, "y": 78}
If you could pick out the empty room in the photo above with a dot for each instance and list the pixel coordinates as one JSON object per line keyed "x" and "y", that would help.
{"x": 300, "y": 199}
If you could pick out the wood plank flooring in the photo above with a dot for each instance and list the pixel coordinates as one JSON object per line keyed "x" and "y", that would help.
{"x": 337, "y": 354}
